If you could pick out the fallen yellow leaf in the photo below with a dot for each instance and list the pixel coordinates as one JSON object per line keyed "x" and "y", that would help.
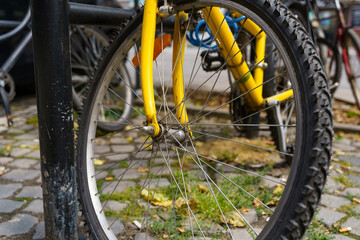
{"x": 202, "y": 188}
{"x": 256, "y": 202}
{"x": 142, "y": 169}
{"x": 8, "y": 147}
{"x": 356, "y": 200}
{"x": 128, "y": 127}
{"x": 273, "y": 202}
{"x": 156, "y": 199}
{"x": 166, "y": 203}
{"x": 179, "y": 202}
{"x": 181, "y": 229}
{"x": 278, "y": 190}
{"x": 235, "y": 219}
{"x": 109, "y": 178}
{"x": 165, "y": 236}
{"x": 129, "y": 139}
{"x": 99, "y": 162}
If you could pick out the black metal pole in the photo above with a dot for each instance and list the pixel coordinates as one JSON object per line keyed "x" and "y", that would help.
{"x": 50, "y": 28}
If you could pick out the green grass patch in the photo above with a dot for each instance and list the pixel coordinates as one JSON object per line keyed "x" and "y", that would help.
{"x": 123, "y": 164}
{"x": 344, "y": 180}
{"x": 32, "y": 120}
{"x": 317, "y": 231}
{"x": 26, "y": 200}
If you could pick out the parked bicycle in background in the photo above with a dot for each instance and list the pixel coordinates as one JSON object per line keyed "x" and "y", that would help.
{"x": 87, "y": 46}
{"x": 315, "y": 18}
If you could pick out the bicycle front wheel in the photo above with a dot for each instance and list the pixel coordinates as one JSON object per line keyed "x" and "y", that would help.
{"x": 352, "y": 62}
{"x": 213, "y": 183}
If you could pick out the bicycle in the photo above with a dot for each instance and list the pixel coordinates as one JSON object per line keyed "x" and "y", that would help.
{"x": 87, "y": 45}
{"x": 345, "y": 38}
{"x": 184, "y": 153}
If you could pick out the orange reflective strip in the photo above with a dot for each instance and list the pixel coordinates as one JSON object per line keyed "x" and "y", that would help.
{"x": 160, "y": 44}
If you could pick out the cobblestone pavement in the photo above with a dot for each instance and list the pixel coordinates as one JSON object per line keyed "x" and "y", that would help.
{"x": 21, "y": 208}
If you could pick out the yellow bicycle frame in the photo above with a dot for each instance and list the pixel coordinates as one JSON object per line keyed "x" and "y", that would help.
{"x": 252, "y": 85}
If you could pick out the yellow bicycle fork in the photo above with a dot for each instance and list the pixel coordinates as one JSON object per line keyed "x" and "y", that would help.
{"x": 229, "y": 49}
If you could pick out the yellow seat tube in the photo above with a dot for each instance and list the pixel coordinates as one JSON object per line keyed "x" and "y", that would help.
{"x": 238, "y": 67}
{"x": 146, "y": 56}
{"x": 260, "y": 43}
{"x": 177, "y": 63}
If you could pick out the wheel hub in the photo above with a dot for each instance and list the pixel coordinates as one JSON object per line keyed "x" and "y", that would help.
{"x": 174, "y": 135}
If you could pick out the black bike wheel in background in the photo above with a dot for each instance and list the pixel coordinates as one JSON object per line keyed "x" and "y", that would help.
{"x": 175, "y": 160}
{"x": 352, "y": 47}
{"x": 87, "y": 46}
{"x": 332, "y": 62}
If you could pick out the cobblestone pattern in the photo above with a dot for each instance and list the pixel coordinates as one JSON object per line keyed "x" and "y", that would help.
{"x": 21, "y": 207}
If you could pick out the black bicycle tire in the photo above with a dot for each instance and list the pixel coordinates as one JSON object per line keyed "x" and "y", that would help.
{"x": 294, "y": 215}
{"x": 352, "y": 35}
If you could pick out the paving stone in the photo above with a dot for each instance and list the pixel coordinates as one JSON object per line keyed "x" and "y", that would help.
{"x": 35, "y": 207}
{"x": 31, "y": 191}
{"x": 20, "y": 175}
{"x": 354, "y": 179}
{"x": 15, "y": 131}
{"x": 160, "y": 170}
{"x": 240, "y": 233}
{"x": 19, "y": 224}
{"x": 119, "y": 187}
{"x": 7, "y": 206}
{"x": 22, "y": 163}
{"x": 357, "y": 209}
{"x": 352, "y": 191}
{"x": 39, "y": 231}
{"x": 8, "y": 190}
{"x": 161, "y": 161}
{"x": 271, "y": 184}
{"x": 26, "y": 127}
{"x": 127, "y": 173}
{"x": 143, "y": 236}
{"x": 117, "y": 140}
{"x": 5, "y": 141}
{"x": 329, "y": 217}
{"x": 102, "y": 149}
{"x": 340, "y": 237}
{"x": 37, "y": 166}
{"x": 352, "y": 160}
{"x": 123, "y": 148}
{"x": 27, "y": 143}
{"x": 34, "y": 154}
{"x": 39, "y": 180}
{"x": 251, "y": 216}
{"x": 143, "y": 154}
{"x": 117, "y": 157}
{"x": 5, "y": 160}
{"x": 355, "y": 169}
{"x": 17, "y": 152}
{"x": 333, "y": 201}
{"x": 29, "y": 135}
{"x": 101, "y": 175}
{"x": 114, "y": 205}
{"x": 332, "y": 185}
{"x": 152, "y": 183}
{"x": 117, "y": 227}
{"x": 354, "y": 223}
